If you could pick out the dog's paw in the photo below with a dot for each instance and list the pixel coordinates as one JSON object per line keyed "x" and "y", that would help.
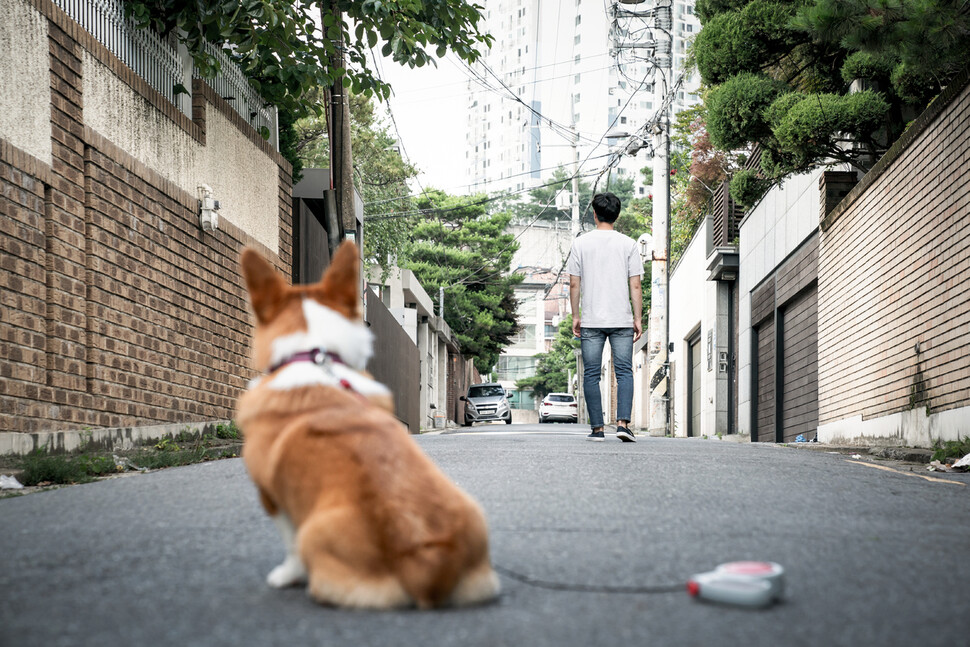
{"x": 289, "y": 573}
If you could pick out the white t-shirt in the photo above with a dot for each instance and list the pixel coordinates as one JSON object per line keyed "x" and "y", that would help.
{"x": 604, "y": 260}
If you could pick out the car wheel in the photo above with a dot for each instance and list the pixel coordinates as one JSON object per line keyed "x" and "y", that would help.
{"x": 508, "y": 420}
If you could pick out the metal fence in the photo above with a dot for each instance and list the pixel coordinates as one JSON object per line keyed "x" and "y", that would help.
{"x": 158, "y": 62}
{"x": 233, "y": 86}
{"x": 151, "y": 57}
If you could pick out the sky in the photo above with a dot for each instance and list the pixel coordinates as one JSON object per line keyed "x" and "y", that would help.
{"x": 430, "y": 108}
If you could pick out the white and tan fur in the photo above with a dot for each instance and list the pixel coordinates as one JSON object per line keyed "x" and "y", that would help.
{"x": 367, "y": 519}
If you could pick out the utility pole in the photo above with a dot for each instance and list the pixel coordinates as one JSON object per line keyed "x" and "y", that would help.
{"x": 574, "y": 229}
{"x": 341, "y": 159}
{"x": 659, "y": 303}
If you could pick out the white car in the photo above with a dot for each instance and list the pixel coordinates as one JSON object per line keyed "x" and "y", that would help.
{"x": 559, "y": 406}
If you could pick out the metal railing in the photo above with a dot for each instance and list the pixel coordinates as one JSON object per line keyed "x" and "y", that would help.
{"x": 233, "y": 86}
{"x": 153, "y": 58}
{"x": 157, "y": 60}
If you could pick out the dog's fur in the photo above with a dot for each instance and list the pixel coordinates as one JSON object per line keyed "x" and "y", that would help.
{"x": 368, "y": 520}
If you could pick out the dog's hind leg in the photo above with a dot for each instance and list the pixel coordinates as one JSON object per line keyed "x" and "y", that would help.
{"x": 291, "y": 571}
{"x": 478, "y": 586}
{"x": 343, "y": 564}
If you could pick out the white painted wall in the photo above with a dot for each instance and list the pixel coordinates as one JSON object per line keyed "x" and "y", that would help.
{"x": 785, "y": 217}
{"x": 693, "y": 307}
{"x": 25, "y": 80}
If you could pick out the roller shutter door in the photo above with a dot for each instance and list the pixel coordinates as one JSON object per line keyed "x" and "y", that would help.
{"x": 799, "y": 398}
{"x": 764, "y": 382}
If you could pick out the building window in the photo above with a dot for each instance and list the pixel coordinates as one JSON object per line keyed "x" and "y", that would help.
{"x": 526, "y": 337}
{"x": 515, "y": 368}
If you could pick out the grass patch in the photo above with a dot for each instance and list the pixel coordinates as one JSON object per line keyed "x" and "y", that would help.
{"x": 185, "y": 448}
{"x": 951, "y": 449}
{"x": 41, "y": 467}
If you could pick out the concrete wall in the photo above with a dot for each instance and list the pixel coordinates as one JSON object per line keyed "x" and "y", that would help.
{"x": 224, "y": 161}
{"x": 894, "y": 310}
{"x": 25, "y": 72}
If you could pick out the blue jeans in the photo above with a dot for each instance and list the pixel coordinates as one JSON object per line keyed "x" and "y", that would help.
{"x": 591, "y": 345}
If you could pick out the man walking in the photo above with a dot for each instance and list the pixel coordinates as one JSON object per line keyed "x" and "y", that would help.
{"x": 604, "y": 270}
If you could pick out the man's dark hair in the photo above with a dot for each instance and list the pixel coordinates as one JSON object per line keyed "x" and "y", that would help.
{"x": 606, "y": 206}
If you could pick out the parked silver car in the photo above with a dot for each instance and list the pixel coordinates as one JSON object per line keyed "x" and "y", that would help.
{"x": 486, "y": 402}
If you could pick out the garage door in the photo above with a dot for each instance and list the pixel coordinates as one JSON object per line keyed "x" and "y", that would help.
{"x": 799, "y": 400}
{"x": 764, "y": 382}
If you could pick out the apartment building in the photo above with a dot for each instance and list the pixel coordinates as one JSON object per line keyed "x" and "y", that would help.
{"x": 565, "y": 73}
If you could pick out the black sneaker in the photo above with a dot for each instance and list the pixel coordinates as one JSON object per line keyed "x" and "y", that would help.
{"x": 625, "y": 435}
{"x": 596, "y": 435}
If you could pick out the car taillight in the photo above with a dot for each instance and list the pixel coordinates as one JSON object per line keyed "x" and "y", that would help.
{"x": 572, "y": 404}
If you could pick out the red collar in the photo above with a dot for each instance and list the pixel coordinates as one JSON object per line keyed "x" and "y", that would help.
{"x": 319, "y": 357}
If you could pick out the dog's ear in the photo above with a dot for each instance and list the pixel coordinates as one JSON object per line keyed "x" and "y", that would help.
{"x": 340, "y": 281}
{"x": 264, "y": 283}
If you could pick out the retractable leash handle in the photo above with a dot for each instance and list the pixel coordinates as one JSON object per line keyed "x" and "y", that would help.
{"x": 749, "y": 584}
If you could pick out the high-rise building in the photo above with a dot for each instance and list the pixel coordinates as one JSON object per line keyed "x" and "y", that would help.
{"x": 561, "y": 76}
{"x": 565, "y": 66}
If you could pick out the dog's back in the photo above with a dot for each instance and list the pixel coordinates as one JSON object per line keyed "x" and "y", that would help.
{"x": 369, "y": 520}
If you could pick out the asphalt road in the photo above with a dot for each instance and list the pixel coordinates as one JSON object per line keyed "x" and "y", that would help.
{"x": 178, "y": 557}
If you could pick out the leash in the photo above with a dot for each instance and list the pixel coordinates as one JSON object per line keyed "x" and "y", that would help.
{"x": 586, "y": 588}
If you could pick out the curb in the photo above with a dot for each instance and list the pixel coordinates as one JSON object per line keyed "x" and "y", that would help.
{"x": 905, "y": 454}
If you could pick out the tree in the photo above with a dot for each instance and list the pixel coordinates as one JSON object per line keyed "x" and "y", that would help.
{"x": 380, "y": 174}
{"x": 552, "y": 368}
{"x": 780, "y": 74}
{"x": 280, "y": 48}
{"x": 462, "y": 248}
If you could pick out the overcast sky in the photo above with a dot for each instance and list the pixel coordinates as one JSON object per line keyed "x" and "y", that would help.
{"x": 429, "y": 105}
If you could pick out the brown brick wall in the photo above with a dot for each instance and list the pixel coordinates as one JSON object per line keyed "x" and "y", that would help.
{"x": 894, "y": 271}
{"x": 117, "y": 309}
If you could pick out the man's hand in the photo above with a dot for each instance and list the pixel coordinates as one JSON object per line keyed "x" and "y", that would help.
{"x": 574, "y": 288}
{"x": 637, "y": 330}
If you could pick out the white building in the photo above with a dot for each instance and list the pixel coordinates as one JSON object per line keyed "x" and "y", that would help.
{"x": 554, "y": 66}
{"x": 543, "y": 298}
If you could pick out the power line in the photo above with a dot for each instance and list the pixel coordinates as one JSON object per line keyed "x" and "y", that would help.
{"x": 513, "y": 192}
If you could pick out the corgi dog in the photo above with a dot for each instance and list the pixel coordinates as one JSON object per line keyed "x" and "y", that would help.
{"x": 368, "y": 521}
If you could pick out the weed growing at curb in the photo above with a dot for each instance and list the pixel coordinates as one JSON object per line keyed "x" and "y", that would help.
{"x": 951, "y": 449}
{"x": 186, "y": 448}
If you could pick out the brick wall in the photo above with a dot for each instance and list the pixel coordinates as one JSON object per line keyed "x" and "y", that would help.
{"x": 117, "y": 309}
{"x": 894, "y": 270}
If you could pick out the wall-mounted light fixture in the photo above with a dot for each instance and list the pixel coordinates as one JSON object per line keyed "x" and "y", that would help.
{"x": 208, "y": 209}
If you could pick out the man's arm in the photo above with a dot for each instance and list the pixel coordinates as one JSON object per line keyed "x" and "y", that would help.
{"x": 636, "y": 298}
{"x": 574, "y": 302}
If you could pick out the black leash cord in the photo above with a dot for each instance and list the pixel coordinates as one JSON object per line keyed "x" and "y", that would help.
{"x": 587, "y": 588}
